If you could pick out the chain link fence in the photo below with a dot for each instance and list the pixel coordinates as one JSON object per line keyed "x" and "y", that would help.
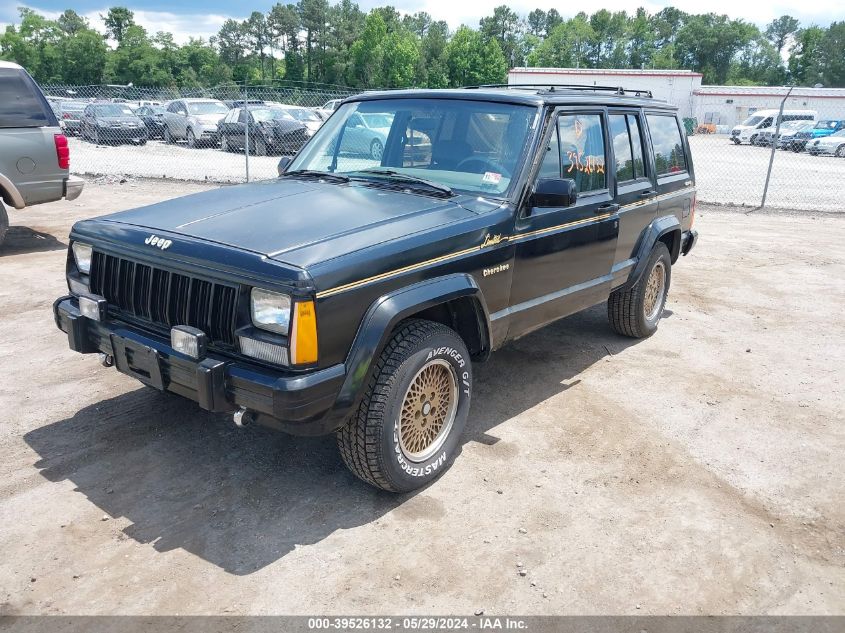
{"x": 804, "y": 175}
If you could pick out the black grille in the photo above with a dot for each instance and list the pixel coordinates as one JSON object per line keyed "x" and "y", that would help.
{"x": 165, "y": 298}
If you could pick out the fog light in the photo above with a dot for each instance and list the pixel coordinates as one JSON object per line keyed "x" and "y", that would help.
{"x": 93, "y": 307}
{"x": 276, "y": 354}
{"x": 78, "y": 287}
{"x": 188, "y": 341}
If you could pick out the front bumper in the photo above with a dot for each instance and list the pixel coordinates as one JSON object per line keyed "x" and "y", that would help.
{"x": 688, "y": 241}
{"x": 302, "y": 404}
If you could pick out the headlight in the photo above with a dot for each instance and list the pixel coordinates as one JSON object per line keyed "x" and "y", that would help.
{"x": 82, "y": 254}
{"x": 270, "y": 310}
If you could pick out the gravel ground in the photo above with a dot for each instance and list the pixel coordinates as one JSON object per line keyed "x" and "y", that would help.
{"x": 725, "y": 173}
{"x": 697, "y": 472}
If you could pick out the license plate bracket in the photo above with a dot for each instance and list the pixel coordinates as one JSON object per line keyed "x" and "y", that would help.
{"x": 137, "y": 360}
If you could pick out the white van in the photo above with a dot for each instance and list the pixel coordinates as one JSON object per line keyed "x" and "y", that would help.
{"x": 747, "y": 131}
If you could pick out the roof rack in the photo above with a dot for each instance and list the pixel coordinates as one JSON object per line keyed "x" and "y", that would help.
{"x": 548, "y": 87}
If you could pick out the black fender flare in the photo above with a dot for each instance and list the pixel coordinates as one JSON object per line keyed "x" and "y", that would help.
{"x": 386, "y": 312}
{"x": 650, "y": 236}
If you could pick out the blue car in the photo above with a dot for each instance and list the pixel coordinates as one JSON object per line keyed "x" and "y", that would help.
{"x": 820, "y": 130}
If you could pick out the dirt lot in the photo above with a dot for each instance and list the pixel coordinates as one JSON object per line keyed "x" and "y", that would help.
{"x": 725, "y": 173}
{"x": 699, "y": 471}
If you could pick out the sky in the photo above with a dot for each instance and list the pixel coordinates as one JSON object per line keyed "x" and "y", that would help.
{"x": 203, "y": 18}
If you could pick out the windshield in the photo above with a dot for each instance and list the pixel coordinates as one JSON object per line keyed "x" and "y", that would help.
{"x": 301, "y": 114}
{"x": 377, "y": 120}
{"x": 270, "y": 114}
{"x": 207, "y": 107}
{"x": 826, "y": 125}
{"x": 839, "y": 133}
{"x": 753, "y": 120}
{"x": 113, "y": 110}
{"x": 469, "y": 146}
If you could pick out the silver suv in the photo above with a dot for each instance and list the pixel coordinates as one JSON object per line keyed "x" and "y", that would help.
{"x": 34, "y": 155}
{"x": 194, "y": 120}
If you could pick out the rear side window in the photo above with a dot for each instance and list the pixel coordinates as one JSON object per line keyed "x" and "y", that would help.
{"x": 20, "y": 103}
{"x": 668, "y": 147}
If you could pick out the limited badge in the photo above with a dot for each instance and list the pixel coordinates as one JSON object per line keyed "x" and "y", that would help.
{"x": 491, "y": 178}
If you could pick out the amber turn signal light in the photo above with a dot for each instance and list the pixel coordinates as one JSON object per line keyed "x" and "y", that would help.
{"x": 304, "y": 334}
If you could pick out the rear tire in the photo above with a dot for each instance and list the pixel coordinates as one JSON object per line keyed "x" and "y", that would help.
{"x": 260, "y": 147}
{"x": 406, "y": 431}
{"x": 635, "y": 311}
{"x": 840, "y": 151}
{"x": 4, "y": 223}
{"x": 224, "y": 143}
{"x": 168, "y": 137}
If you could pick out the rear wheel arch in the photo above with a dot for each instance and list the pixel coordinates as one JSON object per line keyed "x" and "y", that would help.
{"x": 672, "y": 240}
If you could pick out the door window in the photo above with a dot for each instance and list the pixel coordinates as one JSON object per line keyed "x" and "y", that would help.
{"x": 637, "y": 145}
{"x": 668, "y": 147}
{"x": 581, "y": 149}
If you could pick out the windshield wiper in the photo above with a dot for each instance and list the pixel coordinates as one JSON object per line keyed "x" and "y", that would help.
{"x": 396, "y": 176}
{"x": 315, "y": 173}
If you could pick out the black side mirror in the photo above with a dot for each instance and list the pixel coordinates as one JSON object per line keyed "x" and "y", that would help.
{"x": 284, "y": 161}
{"x": 554, "y": 192}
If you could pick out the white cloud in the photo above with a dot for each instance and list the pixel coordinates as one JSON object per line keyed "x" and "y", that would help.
{"x": 469, "y": 12}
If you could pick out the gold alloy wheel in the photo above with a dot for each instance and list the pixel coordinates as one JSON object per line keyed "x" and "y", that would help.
{"x": 428, "y": 410}
{"x": 654, "y": 289}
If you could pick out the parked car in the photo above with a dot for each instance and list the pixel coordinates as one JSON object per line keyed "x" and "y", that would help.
{"x": 271, "y": 129}
{"x": 328, "y": 108}
{"x": 833, "y": 144}
{"x": 104, "y": 123}
{"x": 351, "y": 297}
{"x": 34, "y": 154}
{"x": 788, "y": 138}
{"x": 153, "y": 118}
{"x": 194, "y": 120}
{"x": 70, "y": 116}
{"x": 762, "y": 119}
{"x": 306, "y": 116}
{"x": 819, "y": 130}
{"x": 366, "y": 133}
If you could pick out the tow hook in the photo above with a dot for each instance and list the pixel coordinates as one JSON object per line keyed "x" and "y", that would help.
{"x": 243, "y": 417}
{"x": 107, "y": 360}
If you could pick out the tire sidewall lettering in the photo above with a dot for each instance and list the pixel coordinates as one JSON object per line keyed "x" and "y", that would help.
{"x": 440, "y": 461}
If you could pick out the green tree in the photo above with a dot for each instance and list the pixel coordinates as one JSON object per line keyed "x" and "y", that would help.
{"x": 400, "y": 56}
{"x": 504, "y": 27}
{"x": 71, "y": 22}
{"x": 367, "y": 52}
{"x": 833, "y": 56}
{"x": 117, "y": 21}
{"x": 806, "y": 59}
{"x": 83, "y": 58}
{"x": 779, "y": 31}
{"x": 471, "y": 61}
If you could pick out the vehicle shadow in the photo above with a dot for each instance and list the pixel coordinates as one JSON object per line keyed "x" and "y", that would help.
{"x": 242, "y": 499}
{"x": 22, "y": 239}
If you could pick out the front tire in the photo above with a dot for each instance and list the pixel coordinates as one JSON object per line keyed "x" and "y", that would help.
{"x": 168, "y": 137}
{"x": 376, "y": 150}
{"x": 840, "y": 151}
{"x": 636, "y": 311}
{"x": 192, "y": 139}
{"x": 406, "y": 431}
{"x": 224, "y": 143}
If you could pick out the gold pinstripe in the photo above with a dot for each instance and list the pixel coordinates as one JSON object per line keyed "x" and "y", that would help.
{"x": 509, "y": 238}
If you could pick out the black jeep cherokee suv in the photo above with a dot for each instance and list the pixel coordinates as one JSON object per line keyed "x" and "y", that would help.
{"x": 351, "y": 295}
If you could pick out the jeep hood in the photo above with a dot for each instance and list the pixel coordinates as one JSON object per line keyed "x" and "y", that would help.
{"x": 298, "y": 222}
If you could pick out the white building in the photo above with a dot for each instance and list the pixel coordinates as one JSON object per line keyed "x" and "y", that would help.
{"x": 674, "y": 86}
{"x": 724, "y": 106}
{"x": 729, "y": 105}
